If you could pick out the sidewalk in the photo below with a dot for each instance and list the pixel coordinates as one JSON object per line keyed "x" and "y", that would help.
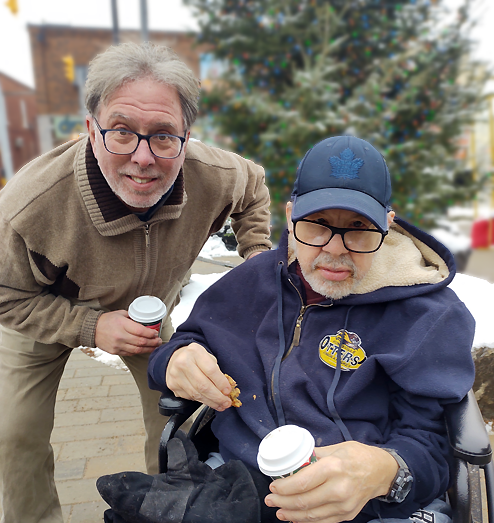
{"x": 98, "y": 427}
{"x": 98, "y": 430}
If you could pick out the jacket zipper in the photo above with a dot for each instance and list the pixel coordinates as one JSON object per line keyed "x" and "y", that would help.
{"x": 297, "y": 331}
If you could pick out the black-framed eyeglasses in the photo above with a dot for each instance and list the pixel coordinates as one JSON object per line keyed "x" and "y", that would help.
{"x": 316, "y": 234}
{"x": 122, "y": 141}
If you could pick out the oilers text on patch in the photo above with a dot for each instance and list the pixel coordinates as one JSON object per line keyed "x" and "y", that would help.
{"x": 352, "y": 353}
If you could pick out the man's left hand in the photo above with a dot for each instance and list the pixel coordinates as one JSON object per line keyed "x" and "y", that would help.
{"x": 335, "y": 488}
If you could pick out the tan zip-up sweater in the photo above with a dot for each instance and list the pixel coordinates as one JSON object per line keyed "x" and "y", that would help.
{"x": 71, "y": 250}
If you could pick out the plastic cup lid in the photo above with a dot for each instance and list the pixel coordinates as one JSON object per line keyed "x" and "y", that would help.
{"x": 146, "y": 309}
{"x": 284, "y": 450}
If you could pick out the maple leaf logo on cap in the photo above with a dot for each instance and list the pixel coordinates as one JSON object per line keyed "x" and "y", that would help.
{"x": 346, "y": 166}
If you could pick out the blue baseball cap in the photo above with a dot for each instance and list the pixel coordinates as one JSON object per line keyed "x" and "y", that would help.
{"x": 343, "y": 172}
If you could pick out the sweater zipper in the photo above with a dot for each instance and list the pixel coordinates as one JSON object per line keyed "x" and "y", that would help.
{"x": 146, "y": 232}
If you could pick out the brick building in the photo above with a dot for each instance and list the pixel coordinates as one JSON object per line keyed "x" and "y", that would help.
{"x": 20, "y": 106}
{"x": 59, "y": 100}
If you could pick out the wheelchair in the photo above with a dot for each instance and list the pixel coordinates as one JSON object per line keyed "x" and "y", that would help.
{"x": 469, "y": 493}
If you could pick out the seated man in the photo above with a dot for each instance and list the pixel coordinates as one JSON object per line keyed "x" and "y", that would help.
{"x": 347, "y": 329}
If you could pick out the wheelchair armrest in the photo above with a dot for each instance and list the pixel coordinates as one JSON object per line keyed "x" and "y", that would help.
{"x": 466, "y": 431}
{"x": 170, "y": 404}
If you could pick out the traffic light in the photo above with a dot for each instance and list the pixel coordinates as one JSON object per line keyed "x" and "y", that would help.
{"x": 69, "y": 68}
{"x": 12, "y": 5}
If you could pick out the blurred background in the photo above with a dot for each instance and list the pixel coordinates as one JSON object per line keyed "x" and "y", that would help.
{"x": 413, "y": 77}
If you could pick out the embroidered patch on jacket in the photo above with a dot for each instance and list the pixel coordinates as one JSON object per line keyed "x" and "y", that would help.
{"x": 352, "y": 352}
{"x": 346, "y": 166}
{"x": 423, "y": 516}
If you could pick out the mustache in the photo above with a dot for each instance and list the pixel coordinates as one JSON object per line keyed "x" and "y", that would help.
{"x": 328, "y": 261}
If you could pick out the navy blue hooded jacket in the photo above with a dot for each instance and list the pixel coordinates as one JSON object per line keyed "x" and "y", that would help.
{"x": 405, "y": 352}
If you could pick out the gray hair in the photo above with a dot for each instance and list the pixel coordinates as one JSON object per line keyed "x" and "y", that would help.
{"x": 128, "y": 62}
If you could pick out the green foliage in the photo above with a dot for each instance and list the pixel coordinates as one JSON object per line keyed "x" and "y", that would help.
{"x": 394, "y": 72}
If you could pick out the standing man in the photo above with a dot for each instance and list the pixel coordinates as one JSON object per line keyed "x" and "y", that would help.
{"x": 91, "y": 225}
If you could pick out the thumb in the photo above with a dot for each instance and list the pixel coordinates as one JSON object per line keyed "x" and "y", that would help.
{"x": 183, "y": 459}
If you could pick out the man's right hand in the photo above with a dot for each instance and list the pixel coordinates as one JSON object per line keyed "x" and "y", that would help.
{"x": 117, "y": 334}
{"x": 193, "y": 374}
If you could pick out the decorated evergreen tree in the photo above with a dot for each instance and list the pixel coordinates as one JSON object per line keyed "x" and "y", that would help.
{"x": 394, "y": 72}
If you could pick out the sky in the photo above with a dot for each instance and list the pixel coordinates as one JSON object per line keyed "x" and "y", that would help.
{"x": 15, "y": 55}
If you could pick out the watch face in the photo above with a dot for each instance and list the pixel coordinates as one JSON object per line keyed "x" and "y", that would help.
{"x": 402, "y": 486}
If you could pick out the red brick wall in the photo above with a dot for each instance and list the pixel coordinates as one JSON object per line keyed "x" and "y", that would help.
{"x": 49, "y": 44}
{"x": 20, "y": 101}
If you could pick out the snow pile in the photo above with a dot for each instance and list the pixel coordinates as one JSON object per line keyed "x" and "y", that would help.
{"x": 198, "y": 284}
{"x": 478, "y": 296}
{"x": 214, "y": 247}
{"x": 452, "y": 238}
{"x": 105, "y": 357}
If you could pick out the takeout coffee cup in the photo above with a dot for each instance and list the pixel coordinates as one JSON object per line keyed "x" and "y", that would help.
{"x": 148, "y": 311}
{"x": 286, "y": 450}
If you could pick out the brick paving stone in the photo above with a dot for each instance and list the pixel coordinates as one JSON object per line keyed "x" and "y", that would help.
{"x": 88, "y": 512}
{"x": 87, "y": 381}
{"x": 66, "y": 510}
{"x": 121, "y": 390}
{"x": 87, "y": 392}
{"x": 73, "y": 469}
{"x": 61, "y": 395}
{"x": 88, "y": 363}
{"x": 98, "y": 447}
{"x": 61, "y": 407}
{"x": 102, "y": 465}
{"x": 107, "y": 402}
{"x": 130, "y": 444}
{"x": 57, "y": 448}
{"x": 69, "y": 419}
{"x": 75, "y": 491}
{"x": 122, "y": 413}
{"x": 120, "y": 379}
{"x": 100, "y": 370}
{"x": 100, "y": 430}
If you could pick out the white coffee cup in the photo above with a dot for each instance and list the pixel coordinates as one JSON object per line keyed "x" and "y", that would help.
{"x": 285, "y": 450}
{"x": 148, "y": 311}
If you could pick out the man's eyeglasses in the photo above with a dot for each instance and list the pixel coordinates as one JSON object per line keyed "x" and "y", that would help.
{"x": 316, "y": 234}
{"x": 121, "y": 141}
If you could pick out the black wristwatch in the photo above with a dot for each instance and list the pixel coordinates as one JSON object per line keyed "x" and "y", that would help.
{"x": 401, "y": 484}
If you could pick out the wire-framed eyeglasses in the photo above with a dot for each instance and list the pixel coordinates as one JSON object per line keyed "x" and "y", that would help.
{"x": 122, "y": 141}
{"x": 316, "y": 234}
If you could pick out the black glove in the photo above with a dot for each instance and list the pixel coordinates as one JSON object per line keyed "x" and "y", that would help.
{"x": 189, "y": 492}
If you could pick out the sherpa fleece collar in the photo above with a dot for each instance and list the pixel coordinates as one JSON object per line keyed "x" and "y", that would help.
{"x": 402, "y": 261}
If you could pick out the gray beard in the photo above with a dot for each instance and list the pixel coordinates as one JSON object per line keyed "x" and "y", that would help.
{"x": 330, "y": 289}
